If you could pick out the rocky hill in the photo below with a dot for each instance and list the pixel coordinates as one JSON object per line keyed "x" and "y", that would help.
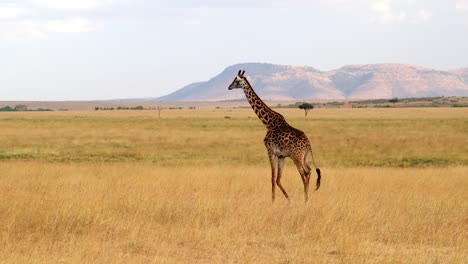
{"x": 282, "y": 82}
{"x": 463, "y": 73}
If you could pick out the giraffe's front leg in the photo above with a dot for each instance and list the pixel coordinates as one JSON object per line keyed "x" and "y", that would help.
{"x": 273, "y": 161}
{"x": 280, "y": 173}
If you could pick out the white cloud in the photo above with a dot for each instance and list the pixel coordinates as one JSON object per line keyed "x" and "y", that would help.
{"x": 384, "y": 14}
{"x": 461, "y": 7}
{"x": 71, "y": 4}
{"x": 381, "y": 6}
{"x": 72, "y": 25}
{"x": 33, "y": 29}
{"x": 23, "y": 20}
{"x": 10, "y": 11}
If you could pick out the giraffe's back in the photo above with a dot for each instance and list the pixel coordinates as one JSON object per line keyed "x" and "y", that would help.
{"x": 287, "y": 141}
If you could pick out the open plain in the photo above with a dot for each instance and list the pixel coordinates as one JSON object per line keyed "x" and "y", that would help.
{"x": 194, "y": 186}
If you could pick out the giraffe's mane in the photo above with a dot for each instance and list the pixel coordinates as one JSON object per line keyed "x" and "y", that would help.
{"x": 268, "y": 107}
{"x": 247, "y": 81}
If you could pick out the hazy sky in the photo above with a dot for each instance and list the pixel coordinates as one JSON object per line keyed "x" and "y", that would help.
{"x": 106, "y": 49}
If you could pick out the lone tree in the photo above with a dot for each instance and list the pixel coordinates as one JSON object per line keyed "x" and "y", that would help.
{"x": 306, "y": 107}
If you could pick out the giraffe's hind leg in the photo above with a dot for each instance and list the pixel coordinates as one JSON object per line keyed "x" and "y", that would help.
{"x": 273, "y": 161}
{"x": 307, "y": 169}
{"x": 300, "y": 164}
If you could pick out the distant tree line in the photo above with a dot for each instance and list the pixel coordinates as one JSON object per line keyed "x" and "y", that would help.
{"x": 97, "y": 108}
{"x": 437, "y": 101}
{"x": 20, "y": 108}
{"x": 159, "y": 108}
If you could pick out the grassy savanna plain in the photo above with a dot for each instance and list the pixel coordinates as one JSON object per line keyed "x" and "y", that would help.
{"x": 194, "y": 186}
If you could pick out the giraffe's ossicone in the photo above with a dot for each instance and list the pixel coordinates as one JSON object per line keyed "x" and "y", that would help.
{"x": 281, "y": 140}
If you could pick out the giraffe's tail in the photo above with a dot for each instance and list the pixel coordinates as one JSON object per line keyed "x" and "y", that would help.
{"x": 318, "y": 178}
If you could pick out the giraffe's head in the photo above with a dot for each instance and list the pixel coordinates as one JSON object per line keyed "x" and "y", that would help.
{"x": 238, "y": 81}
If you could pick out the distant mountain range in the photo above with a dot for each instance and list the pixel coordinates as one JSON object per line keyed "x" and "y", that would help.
{"x": 372, "y": 81}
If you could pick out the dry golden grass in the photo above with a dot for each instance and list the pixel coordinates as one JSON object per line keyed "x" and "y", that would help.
{"x": 125, "y": 187}
{"x": 144, "y": 213}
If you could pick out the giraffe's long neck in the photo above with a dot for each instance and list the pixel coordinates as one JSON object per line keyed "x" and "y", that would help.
{"x": 269, "y": 118}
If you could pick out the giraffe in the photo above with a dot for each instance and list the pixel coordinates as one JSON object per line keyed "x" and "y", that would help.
{"x": 281, "y": 140}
